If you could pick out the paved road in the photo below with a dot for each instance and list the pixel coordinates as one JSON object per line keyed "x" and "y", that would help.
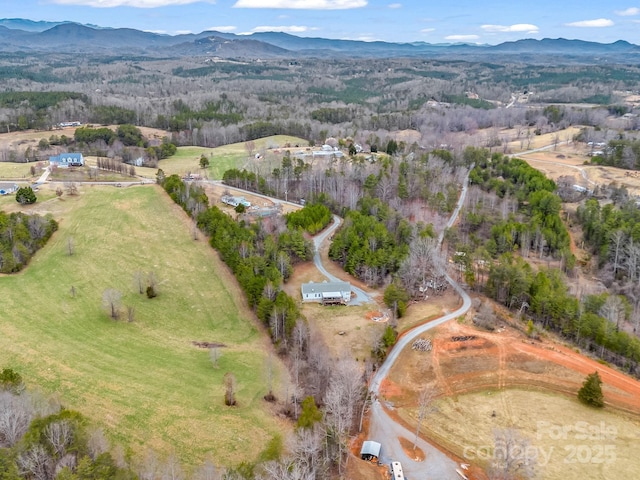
{"x": 383, "y": 428}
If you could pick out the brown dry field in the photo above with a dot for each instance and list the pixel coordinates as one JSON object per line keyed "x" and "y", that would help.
{"x": 30, "y": 138}
{"x": 569, "y": 159}
{"x": 553, "y": 165}
{"x": 350, "y": 329}
{"x": 488, "y": 369}
{"x": 216, "y": 191}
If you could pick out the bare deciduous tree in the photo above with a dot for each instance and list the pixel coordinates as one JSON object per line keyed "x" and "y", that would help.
{"x": 230, "y": 389}
{"x": 214, "y": 355}
{"x": 207, "y": 471}
{"x": 613, "y": 310}
{"x": 424, "y": 268}
{"x": 172, "y": 470}
{"x": 59, "y": 435}
{"x": 147, "y": 467}
{"x": 513, "y": 457}
{"x": 342, "y": 401}
{"x": 71, "y": 187}
{"x": 35, "y": 463}
{"x": 425, "y": 407}
{"x": 16, "y": 412}
{"x": 138, "y": 279}
{"x": 97, "y": 443}
{"x": 111, "y": 299}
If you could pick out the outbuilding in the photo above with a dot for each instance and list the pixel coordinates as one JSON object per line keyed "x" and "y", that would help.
{"x": 8, "y": 188}
{"x": 370, "y": 451}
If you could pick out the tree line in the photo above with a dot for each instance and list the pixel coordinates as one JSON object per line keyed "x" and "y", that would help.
{"x": 594, "y": 322}
{"x": 529, "y": 219}
{"x": 21, "y": 236}
{"x": 261, "y": 256}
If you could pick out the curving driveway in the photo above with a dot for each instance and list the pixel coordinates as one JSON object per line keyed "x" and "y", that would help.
{"x": 383, "y": 428}
{"x": 361, "y": 295}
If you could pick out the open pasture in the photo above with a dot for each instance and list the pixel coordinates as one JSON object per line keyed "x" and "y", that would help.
{"x": 142, "y": 381}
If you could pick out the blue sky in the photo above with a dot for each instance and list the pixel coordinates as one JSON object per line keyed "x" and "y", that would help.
{"x": 442, "y": 21}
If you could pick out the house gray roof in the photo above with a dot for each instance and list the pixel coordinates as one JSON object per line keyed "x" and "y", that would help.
{"x": 369, "y": 447}
{"x": 325, "y": 287}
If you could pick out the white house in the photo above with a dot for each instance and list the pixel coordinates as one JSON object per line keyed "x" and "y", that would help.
{"x": 326, "y": 292}
{"x": 235, "y": 201}
{"x": 67, "y": 160}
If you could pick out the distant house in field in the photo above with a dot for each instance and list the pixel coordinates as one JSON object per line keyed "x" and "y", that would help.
{"x": 327, "y": 293}
{"x": 67, "y": 160}
{"x": 8, "y": 188}
{"x": 69, "y": 124}
{"x": 235, "y": 201}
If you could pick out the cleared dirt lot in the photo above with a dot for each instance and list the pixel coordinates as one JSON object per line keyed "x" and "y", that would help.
{"x": 505, "y": 380}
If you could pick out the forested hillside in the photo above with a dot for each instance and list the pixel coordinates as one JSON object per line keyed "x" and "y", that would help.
{"x": 215, "y": 103}
{"x": 21, "y": 236}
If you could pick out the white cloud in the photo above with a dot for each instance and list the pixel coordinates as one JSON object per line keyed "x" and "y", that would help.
{"x": 597, "y": 23}
{"x": 518, "y": 27}
{"x": 285, "y": 29}
{"x": 128, "y": 3}
{"x": 366, "y": 37}
{"x": 427, "y": 30}
{"x": 224, "y": 28}
{"x": 461, "y": 38}
{"x": 302, "y": 4}
{"x": 183, "y": 32}
{"x": 395, "y": 5}
{"x": 629, "y": 12}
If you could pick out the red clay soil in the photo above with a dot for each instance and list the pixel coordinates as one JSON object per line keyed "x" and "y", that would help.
{"x": 414, "y": 453}
{"x": 509, "y": 359}
{"x": 464, "y": 359}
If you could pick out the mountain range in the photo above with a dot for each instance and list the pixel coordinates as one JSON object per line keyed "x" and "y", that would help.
{"x": 21, "y": 35}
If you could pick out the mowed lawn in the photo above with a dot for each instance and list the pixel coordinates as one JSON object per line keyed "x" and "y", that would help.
{"x": 144, "y": 381}
{"x": 17, "y": 171}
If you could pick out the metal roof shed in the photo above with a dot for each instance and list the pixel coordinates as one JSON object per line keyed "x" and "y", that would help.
{"x": 370, "y": 450}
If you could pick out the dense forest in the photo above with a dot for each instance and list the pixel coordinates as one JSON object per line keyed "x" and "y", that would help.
{"x": 511, "y": 216}
{"x": 21, "y": 236}
{"x": 211, "y": 104}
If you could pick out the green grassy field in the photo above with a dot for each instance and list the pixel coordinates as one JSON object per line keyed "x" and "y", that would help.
{"x": 18, "y": 171}
{"x": 142, "y": 381}
{"x": 221, "y": 159}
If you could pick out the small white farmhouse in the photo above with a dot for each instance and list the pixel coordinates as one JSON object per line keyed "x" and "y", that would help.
{"x": 326, "y": 292}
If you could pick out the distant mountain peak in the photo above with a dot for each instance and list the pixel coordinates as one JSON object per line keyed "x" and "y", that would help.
{"x": 40, "y": 36}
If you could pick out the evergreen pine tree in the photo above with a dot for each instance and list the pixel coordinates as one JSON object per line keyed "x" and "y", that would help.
{"x": 591, "y": 391}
